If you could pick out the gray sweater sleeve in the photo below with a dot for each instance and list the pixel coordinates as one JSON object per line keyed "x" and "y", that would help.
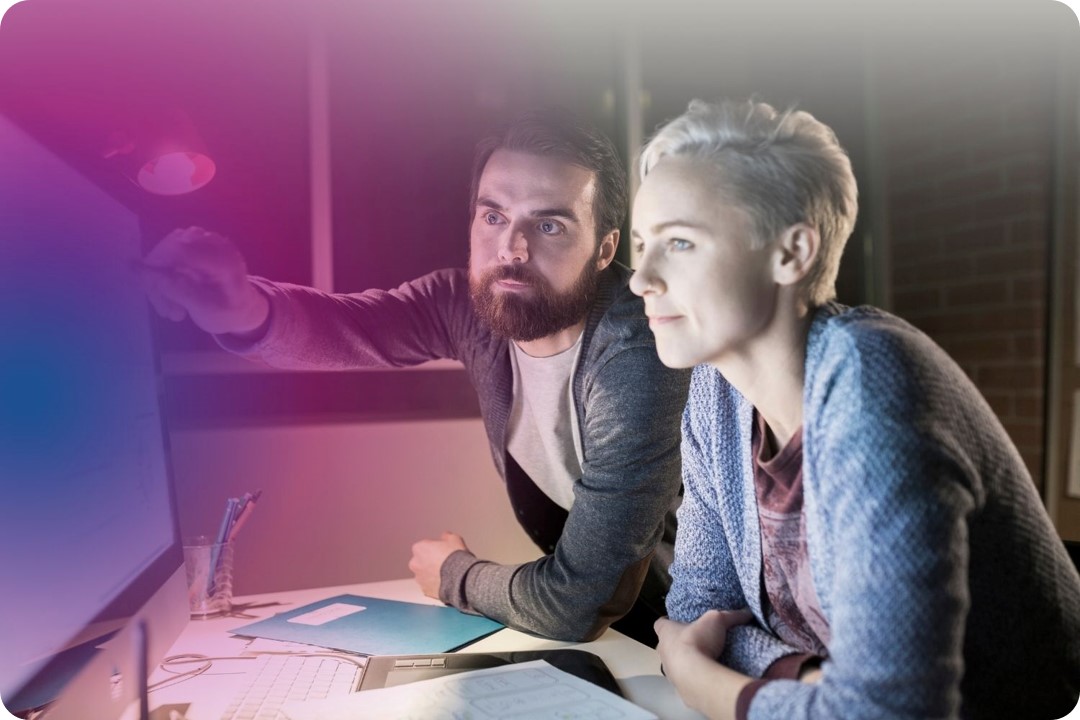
{"x": 630, "y": 475}
{"x": 312, "y": 330}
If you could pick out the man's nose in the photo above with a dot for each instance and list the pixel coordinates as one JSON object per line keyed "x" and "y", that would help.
{"x": 514, "y": 247}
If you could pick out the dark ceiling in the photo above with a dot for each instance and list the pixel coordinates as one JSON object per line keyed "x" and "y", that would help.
{"x": 73, "y": 74}
{"x": 412, "y": 85}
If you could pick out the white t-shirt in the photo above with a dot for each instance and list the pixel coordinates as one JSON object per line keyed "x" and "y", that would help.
{"x": 543, "y": 435}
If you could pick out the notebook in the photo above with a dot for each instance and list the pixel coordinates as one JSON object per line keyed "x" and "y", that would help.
{"x": 372, "y": 626}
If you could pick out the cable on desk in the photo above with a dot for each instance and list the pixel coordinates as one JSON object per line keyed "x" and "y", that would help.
{"x": 208, "y": 662}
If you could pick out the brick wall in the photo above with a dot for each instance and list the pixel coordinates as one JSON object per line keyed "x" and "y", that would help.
{"x": 965, "y": 135}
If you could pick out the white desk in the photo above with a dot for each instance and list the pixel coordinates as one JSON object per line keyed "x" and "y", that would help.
{"x": 635, "y": 666}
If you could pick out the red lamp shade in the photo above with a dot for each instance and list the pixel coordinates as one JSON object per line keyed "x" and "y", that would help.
{"x": 176, "y": 173}
{"x": 162, "y": 152}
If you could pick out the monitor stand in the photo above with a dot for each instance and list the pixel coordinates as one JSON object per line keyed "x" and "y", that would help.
{"x": 117, "y": 674}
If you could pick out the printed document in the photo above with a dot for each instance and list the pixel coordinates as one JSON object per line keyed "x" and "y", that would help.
{"x": 522, "y": 691}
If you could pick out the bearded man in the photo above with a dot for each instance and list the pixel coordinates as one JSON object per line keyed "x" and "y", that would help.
{"x": 582, "y": 418}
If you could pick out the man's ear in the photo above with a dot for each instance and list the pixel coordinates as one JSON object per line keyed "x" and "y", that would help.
{"x": 795, "y": 255}
{"x": 606, "y": 252}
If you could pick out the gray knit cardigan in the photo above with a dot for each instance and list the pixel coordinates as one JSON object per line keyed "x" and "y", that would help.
{"x": 946, "y": 588}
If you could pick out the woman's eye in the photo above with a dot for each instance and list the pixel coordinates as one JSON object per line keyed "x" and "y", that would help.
{"x": 639, "y": 247}
{"x": 678, "y": 244}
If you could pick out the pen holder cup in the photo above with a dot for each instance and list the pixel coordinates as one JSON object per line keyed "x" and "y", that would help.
{"x": 209, "y": 568}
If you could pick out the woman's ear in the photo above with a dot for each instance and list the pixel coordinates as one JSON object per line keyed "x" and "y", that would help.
{"x": 796, "y": 253}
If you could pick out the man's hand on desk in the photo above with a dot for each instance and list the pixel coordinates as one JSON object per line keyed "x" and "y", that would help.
{"x": 428, "y": 557}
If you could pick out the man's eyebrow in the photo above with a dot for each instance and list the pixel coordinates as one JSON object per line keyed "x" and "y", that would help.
{"x": 484, "y": 201}
{"x": 564, "y": 213}
{"x": 556, "y": 212}
{"x": 661, "y": 227}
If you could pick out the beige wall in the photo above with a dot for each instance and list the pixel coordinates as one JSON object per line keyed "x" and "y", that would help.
{"x": 344, "y": 503}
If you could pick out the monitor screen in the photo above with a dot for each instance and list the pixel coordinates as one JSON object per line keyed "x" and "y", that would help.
{"x": 88, "y": 531}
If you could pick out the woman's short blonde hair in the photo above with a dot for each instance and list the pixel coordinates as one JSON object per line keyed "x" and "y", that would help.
{"x": 781, "y": 167}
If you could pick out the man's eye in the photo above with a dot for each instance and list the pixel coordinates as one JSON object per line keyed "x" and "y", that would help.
{"x": 678, "y": 244}
{"x": 549, "y": 227}
{"x": 639, "y": 247}
{"x": 491, "y": 218}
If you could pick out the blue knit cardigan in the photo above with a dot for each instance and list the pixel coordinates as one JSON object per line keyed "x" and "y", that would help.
{"x": 946, "y": 588}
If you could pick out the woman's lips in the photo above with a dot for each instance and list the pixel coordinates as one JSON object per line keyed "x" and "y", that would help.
{"x": 656, "y": 320}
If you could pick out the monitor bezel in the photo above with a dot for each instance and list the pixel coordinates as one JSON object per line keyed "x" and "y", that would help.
{"x": 154, "y": 602}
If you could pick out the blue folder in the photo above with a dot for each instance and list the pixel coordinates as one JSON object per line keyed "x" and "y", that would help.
{"x": 383, "y": 627}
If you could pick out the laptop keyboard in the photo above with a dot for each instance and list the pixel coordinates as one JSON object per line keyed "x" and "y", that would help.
{"x": 280, "y": 679}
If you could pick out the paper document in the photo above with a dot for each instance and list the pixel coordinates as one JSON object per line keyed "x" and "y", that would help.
{"x": 523, "y": 691}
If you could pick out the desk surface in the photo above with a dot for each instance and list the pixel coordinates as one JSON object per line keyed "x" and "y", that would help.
{"x": 635, "y": 666}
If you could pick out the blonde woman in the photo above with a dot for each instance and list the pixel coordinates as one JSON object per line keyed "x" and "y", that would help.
{"x": 859, "y": 538}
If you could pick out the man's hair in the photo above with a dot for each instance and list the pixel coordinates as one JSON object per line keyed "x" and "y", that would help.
{"x": 556, "y": 132}
{"x": 782, "y": 168}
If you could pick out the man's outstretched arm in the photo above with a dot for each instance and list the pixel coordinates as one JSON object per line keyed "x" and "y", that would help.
{"x": 199, "y": 274}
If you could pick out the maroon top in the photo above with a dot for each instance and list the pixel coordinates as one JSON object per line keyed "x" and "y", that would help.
{"x": 790, "y": 602}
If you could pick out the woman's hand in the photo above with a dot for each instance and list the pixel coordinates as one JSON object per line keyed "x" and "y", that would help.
{"x": 688, "y": 654}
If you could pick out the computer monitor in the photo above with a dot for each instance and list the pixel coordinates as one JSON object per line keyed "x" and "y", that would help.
{"x": 93, "y": 588}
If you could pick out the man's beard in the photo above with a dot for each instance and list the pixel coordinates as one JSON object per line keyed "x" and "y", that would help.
{"x": 536, "y": 313}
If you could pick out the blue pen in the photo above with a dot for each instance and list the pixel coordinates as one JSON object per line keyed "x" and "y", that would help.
{"x": 223, "y": 533}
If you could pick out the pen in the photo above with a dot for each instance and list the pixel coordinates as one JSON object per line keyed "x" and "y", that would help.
{"x": 247, "y": 508}
{"x": 223, "y": 534}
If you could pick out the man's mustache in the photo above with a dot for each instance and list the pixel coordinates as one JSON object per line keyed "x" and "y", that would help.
{"x": 515, "y": 272}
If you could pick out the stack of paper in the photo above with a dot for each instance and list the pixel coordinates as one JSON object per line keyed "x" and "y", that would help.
{"x": 525, "y": 691}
